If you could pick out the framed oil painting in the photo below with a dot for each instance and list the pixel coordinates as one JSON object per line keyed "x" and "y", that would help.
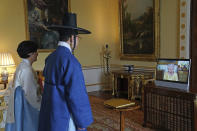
{"x": 139, "y": 29}
{"x": 38, "y": 15}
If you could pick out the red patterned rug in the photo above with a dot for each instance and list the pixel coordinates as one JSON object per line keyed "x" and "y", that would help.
{"x": 109, "y": 120}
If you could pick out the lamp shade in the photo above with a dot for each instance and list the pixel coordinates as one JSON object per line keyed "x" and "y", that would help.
{"x": 6, "y": 60}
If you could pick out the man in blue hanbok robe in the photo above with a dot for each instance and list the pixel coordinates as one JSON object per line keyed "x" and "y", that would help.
{"x": 65, "y": 105}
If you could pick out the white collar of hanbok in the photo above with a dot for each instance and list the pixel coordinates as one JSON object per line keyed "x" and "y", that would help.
{"x": 26, "y": 61}
{"x": 65, "y": 44}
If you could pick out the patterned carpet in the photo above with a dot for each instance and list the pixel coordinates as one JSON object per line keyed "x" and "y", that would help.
{"x": 109, "y": 120}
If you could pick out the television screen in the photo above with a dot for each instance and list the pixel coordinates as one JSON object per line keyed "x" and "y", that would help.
{"x": 170, "y": 71}
{"x": 176, "y": 70}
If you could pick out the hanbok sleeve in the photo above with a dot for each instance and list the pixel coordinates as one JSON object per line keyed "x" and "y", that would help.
{"x": 77, "y": 97}
{"x": 30, "y": 87}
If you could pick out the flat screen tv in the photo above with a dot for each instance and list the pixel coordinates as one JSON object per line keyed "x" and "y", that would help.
{"x": 173, "y": 73}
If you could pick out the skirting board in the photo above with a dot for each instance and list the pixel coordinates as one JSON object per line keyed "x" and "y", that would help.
{"x": 93, "y": 88}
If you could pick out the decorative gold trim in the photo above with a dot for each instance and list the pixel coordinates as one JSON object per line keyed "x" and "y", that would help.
{"x": 95, "y": 84}
{"x": 69, "y": 5}
{"x": 156, "y": 21}
{"x": 114, "y": 66}
{"x": 178, "y": 30}
{"x": 143, "y": 67}
{"x": 183, "y": 29}
{"x": 182, "y": 26}
{"x": 183, "y": 37}
{"x": 182, "y": 48}
{"x": 92, "y": 67}
{"x": 26, "y": 19}
{"x": 1, "y": 116}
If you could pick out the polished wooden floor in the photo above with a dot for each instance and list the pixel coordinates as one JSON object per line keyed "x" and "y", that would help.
{"x": 101, "y": 94}
{"x": 137, "y": 116}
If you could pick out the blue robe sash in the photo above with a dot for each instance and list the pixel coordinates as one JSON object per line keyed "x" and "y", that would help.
{"x": 26, "y": 116}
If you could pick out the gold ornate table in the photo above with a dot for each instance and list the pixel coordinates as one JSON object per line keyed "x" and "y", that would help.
{"x": 130, "y": 84}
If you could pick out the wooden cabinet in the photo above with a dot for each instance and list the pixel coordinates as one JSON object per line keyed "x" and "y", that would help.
{"x": 170, "y": 109}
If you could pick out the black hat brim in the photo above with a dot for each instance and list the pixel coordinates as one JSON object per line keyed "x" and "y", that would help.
{"x": 68, "y": 28}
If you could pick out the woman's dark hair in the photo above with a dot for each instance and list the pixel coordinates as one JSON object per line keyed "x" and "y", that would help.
{"x": 26, "y": 47}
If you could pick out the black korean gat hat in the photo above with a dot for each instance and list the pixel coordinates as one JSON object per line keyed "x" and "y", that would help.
{"x": 69, "y": 24}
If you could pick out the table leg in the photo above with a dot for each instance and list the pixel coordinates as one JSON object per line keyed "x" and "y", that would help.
{"x": 121, "y": 121}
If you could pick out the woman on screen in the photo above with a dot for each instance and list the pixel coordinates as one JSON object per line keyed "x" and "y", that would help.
{"x": 171, "y": 74}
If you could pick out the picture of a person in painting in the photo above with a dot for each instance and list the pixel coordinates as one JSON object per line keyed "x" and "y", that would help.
{"x": 42, "y": 13}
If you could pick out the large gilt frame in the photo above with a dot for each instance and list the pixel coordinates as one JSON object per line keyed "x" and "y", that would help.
{"x": 155, "y": 51}
{"x": 36, "y": 20}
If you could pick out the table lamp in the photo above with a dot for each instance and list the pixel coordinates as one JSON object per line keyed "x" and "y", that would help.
{"x": 6, "y": 60}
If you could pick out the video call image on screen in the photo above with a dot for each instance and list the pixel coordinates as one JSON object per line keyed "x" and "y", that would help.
{"x": 173, "y": 70}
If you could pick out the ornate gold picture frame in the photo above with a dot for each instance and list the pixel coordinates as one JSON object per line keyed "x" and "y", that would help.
{"x": 38, "y": 15}
{"x": 139, "y": 29}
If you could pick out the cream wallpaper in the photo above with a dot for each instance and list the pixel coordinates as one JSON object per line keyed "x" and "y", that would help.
{"x": 101, "y": 17}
